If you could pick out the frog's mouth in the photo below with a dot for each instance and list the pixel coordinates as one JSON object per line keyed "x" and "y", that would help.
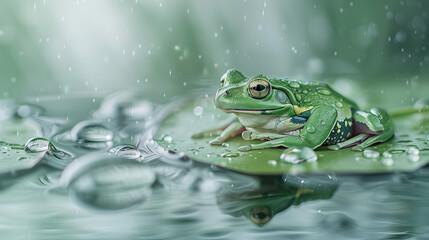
{"x": 252, "y": 111}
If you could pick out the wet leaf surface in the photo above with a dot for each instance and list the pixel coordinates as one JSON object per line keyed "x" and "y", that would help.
{"x": 175, "y": 133}
{"x": 14, "y": 133}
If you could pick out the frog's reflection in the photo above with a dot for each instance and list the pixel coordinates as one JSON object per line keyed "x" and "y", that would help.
{"x": 260, "y": 198}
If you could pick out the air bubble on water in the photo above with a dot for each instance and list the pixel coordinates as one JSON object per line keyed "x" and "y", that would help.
{"x": 198, "y": 111}
{"x": 370, "y": 153}
{"x": 38, "y": 144}
{"x": 297, "y": 155}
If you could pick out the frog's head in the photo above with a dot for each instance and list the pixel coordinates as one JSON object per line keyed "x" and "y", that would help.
{"x": 254, "y": 95}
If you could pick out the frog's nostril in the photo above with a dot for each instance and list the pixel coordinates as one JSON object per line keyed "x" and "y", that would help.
{"x": 227, "y": 92}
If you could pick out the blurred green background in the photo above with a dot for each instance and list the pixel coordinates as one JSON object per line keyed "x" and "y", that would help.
{"x": 168, "y": 48}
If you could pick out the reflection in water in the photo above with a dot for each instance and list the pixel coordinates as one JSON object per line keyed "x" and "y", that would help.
{"x": 272, "y": 195}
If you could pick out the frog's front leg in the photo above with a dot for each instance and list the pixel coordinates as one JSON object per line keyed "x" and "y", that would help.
{"x": 227, "y": 130}
{"x": 316, "y": 130}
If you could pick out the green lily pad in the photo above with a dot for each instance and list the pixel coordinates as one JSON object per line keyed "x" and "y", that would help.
{"x": 174, "y": 134}
{"x": 14, "y": 133}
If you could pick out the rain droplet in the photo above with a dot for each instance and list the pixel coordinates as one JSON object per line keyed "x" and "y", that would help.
{"x": 231, "y": 154}
{"x": 298, "y": 97}
{"x": 272, "y": 162}
{"x": 338, "y": 104}
{"x": 324, "y": 91}
{"x": 311, "y": 128}
{"x": 294, "y": 84}
{"x": 198, "y": 111}
{"x": 413, "y": 154}
{"x": 396, "y": 151}
{"x": 38, "y": 145}
{"x": 91, "y": 132}
{"x": 168, "y": 138}
{"x": 370, "y": 153}
{"x": 297, "y": 155}
{"x": 126, "y": 151}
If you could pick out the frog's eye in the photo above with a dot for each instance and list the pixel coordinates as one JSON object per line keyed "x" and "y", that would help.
{"x": 223, "y": 80}
{"x": 259, "y": 88}
{"x": 260, "y": 215}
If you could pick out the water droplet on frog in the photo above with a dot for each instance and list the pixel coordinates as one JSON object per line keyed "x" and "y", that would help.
{"x": 370, "y": 153}
{"x": 198, "y": 111}
{"x": 91, "y": 132}
{"x": 126, "y": 151}
{"x": 338, "y": 104}
{"x": 323, "y": 122}
{"x": 38, "y": 145}
{"x": 298, "y": 97}
{"x": 314, "y": 83}
{"x": 311, "y": 128}
{"x": 294, "y": 84}
{"x": 297, "y": 155}
{"x": 168, "y": 138}
{"x": 231, "y": 154}
{"x": 413, "y": 154}
{"x": 305, "y": 91}
{"x": 272, "y": 162}
{"x": 324, "y": 91}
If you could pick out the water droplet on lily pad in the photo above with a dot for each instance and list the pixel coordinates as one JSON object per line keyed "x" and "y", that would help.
{"x": 413, "y": 154}
{"x": 168, "y": 138}
{"x": 231, "y": 154}
{"x": 38, "y": 144}
{"x": 371, "y": 153}
{"x": 297, "y": 155}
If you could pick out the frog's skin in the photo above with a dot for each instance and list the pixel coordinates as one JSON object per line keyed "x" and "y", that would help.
{"x": 294, "y": 113}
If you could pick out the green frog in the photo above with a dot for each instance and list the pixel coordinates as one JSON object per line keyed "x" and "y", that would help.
{"x": 289, "y": 113}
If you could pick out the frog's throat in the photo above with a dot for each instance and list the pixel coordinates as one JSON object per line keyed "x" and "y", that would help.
{"x": 254, "y": 111}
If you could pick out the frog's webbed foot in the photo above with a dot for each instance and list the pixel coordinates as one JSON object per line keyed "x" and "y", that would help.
{"x": 248, "y": 135}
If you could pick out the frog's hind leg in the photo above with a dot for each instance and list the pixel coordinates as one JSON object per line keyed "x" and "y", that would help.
{"x": 372, "y": 127}
{"x": 349, "y": 142}
{"x": 248, "y": 135}
{"x": 379, "y": 123}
